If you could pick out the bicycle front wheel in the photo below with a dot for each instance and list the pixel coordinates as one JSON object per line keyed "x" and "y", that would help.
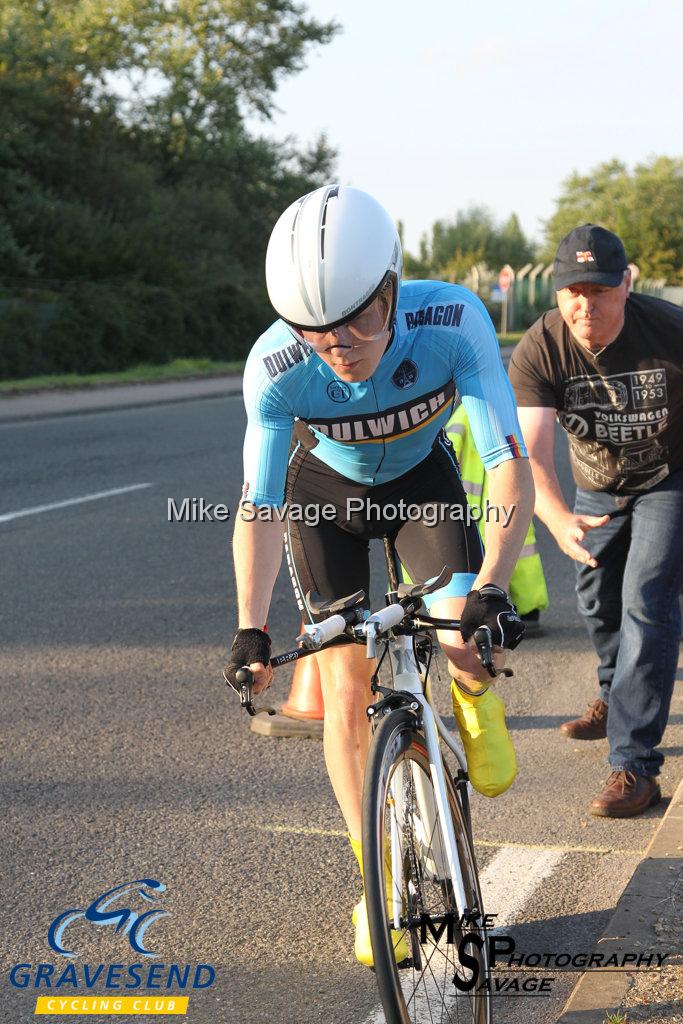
{"x": 413, "y": 903}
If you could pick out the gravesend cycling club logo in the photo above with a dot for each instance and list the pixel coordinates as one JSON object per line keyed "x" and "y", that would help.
{"x": 103, "y": 912}
{"x": 338, "y": 391}
{"x": 128, "y": 910}
{"x": 405, "y": 375}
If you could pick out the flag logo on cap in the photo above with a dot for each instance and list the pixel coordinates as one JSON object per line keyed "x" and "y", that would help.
{"x": 585, "y": 257}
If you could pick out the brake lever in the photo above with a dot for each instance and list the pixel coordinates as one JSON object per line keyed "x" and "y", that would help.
{"x": 245, "y": 679}
{"x": 484, "y": 642}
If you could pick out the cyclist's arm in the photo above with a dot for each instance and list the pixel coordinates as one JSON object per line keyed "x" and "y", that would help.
{"x": 257, "y": 540}
{"x": 511, "y": 490}
{"x": 490, "y": 405}
{"x": 257, "y": 550}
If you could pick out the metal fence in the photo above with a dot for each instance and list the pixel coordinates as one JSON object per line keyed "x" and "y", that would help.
{"x": 532, "y": 291}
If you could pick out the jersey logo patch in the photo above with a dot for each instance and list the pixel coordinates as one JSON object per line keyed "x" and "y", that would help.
{"x": 440, "y": 316}
{"x": 405, "y": 375}
{"x": 390, "y": 424}
{"x": 338, "y": 391}
{"x": 285, "y": 358}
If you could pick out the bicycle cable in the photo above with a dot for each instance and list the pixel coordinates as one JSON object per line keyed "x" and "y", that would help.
{"x": 374, "y": 678}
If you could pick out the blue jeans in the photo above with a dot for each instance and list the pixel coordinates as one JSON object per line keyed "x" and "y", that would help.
{"x": 630, "y": 606}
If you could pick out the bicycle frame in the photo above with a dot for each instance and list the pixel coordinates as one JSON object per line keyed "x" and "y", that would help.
{"x": 406, "y": 678}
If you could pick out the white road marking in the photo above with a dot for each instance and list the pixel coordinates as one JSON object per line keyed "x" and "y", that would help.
{"x": 70, "y": 501}
{"x": 507, "y": 883}
{"x": 511, "y": 878}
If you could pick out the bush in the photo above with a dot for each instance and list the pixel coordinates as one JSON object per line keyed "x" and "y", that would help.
{"x": 150, "y": 219}
{"x": 22, "y": 341}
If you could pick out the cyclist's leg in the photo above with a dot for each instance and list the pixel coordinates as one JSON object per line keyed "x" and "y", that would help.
{"x": 325, "y": 557}
{"x": 344, "y": 671}
{"x": 332, "y": 559}
{"x": 445, "y": 537}
{"x": 479, "y": 712}
{"x": 345, "y": 682}
{"x": 363, "y": 944}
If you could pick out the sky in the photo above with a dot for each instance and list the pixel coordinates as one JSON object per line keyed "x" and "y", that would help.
{"x": 436, "y": 105}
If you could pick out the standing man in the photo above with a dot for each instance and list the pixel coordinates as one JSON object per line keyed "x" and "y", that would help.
{"x": 609, "y": 365}
{"x": 348, "y": 394}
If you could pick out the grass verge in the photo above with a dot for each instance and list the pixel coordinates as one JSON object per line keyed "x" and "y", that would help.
{"x": 179, "y": 369}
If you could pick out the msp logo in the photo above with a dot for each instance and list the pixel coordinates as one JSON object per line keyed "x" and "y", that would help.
{"x": 103, "y": 912}
{"x": 405, "y": 375}
{"x": 338, "y": 391}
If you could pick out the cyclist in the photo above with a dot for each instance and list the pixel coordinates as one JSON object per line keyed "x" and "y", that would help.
{"x": 348, "y": 394}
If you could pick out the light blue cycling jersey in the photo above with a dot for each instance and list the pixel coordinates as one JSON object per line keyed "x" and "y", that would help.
{"x": 378, "y": 429}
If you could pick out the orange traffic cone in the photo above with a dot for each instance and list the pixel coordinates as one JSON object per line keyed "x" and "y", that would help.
{"x": 305, "y": 695}
{"x": 302, "y": 714}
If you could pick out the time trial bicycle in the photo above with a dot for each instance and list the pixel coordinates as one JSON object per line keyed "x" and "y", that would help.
{"x": 420, "y": 869}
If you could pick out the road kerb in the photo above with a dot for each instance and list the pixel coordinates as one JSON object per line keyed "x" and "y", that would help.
{"x": 74, "y": 402}
{"x": 632, "y": 926}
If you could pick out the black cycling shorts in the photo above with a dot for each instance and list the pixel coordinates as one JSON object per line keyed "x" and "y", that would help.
{"x": 424, "y": 512}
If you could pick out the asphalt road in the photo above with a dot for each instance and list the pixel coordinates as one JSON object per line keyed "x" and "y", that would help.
{"x": 123, "y": 757}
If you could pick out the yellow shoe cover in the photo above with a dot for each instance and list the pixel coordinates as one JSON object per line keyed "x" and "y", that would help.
{"x": 362, "y": 944}
{"x": 491, "y": 761}
{"x": 363, "y": 947}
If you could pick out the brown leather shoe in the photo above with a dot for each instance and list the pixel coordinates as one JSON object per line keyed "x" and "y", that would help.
{"x": 625, "y": 795}
{"x": 592, "y": 726}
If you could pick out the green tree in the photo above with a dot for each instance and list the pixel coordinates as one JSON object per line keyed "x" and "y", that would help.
{"x": 202, "y": 53}
{"x": 453, "y": 247}
{"x": 644, "y": 207}
{"x": 135, "y": 208}
{"x": 510, "y": 245}
{"x": 419, "y": 266}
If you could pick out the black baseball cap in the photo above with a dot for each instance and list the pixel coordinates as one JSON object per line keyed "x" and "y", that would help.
{"x": 590, "y": 253}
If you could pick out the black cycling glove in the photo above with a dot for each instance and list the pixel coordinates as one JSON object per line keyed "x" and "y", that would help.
{"x": 249, "y": 645}
{"x": 490, "y": 606}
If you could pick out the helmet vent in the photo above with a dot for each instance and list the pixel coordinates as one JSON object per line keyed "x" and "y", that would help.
{"x": 332, "y": 194}
{"x": 293, "y": 233}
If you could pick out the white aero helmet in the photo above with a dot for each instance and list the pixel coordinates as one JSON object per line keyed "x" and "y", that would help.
{"x": 330, "y": 253}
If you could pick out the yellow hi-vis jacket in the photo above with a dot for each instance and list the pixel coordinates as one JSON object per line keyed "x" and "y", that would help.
{"x": 527, "y": 586}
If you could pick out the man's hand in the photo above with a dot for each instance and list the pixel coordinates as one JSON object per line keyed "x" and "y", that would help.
{"x": 263, "y": 676}
{"x": 569, "y": 530}
{"x": 490, "y": 606}
{"x": 251, "y": 647}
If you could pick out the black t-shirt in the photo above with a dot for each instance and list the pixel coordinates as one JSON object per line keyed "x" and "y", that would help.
{"x": 622, "y": 408}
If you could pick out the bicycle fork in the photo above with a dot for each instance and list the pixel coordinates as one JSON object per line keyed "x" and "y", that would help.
{"x": 435, "y": 814}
